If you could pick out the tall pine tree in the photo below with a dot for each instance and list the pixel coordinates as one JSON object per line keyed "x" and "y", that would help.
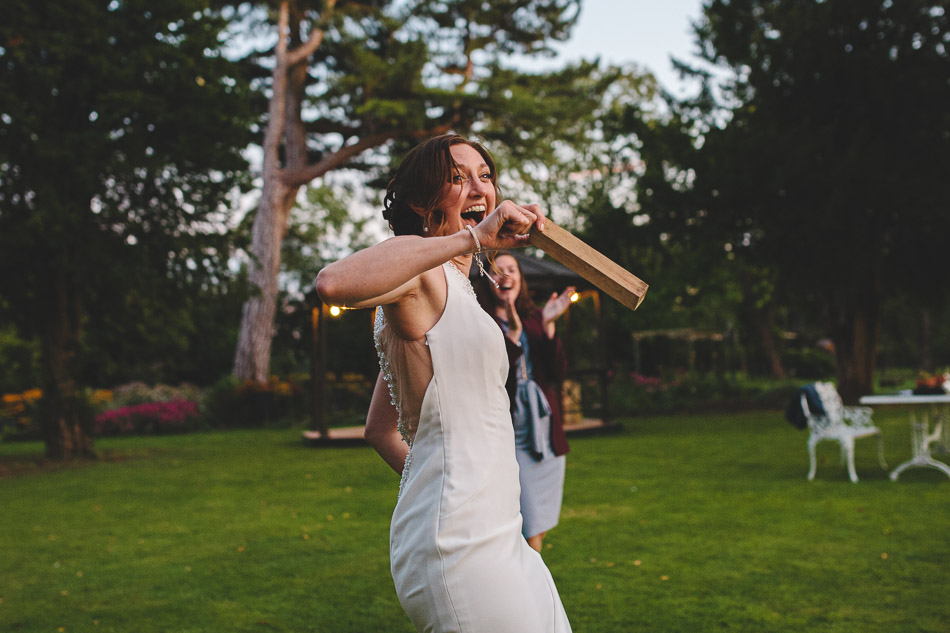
{"x": 825, "y": 136}
{"x": 121, "y": 127}
{"x": 346, "y": 77}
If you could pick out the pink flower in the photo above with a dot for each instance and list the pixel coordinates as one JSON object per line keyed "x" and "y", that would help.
{"x": 159, "y": 417}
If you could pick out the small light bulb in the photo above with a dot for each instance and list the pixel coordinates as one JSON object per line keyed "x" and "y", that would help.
{"x": 335, "y": 311}
{"x": 575, "y": 297}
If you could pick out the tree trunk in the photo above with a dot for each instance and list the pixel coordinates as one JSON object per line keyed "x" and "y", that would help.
{"x": 252, "y": 357}
{"x": 855, "y": 334}
{"x": 66, "y": 422}
{"x": 926, "y": 341}
{"x": 763, "y": 321}
{"x": 285, "y": 128}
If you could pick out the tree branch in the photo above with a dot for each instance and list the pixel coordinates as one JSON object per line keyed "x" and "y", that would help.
{"x": 275, "y": 115}
{"x": 302, "y": 176}
{"x": 307, "y": 49}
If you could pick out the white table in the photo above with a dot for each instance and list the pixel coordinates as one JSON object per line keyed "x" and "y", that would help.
{"x": 937, "y": 407}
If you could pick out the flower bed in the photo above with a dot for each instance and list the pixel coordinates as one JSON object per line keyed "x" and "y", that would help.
{"x": 174, "y": 416}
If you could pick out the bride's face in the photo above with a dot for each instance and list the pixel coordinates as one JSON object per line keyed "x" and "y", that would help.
{"x": 470, "y": 193}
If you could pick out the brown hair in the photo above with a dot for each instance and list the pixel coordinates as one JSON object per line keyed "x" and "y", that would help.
{"x": 414, "y": 194}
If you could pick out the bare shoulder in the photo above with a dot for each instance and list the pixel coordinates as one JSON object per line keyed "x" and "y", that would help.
{"x": 417, "y": 311}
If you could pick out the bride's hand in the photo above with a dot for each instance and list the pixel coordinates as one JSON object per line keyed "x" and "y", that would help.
{"x": 508, "y": 225}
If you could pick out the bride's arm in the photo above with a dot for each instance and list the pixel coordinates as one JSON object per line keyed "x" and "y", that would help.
{"x": 382, "y": 431}
{"x": 388, "y": 271}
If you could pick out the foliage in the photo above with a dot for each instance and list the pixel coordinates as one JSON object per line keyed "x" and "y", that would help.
{"x": 817, "y": 156}
{"x": 318, "y": 230}
{"x": 387, "y": 74}
{"x": 135, "y": 393}
{"x": 401, "y": 68}
{"x": 689, "y": 197}
{"x": 904, "y": 334}
{"x": 17, "y": 412}
{"x": 181, "y": 334}
{"x": 707, "y": 520}
{"x": 173, "y": 416}
{"x": 813, "y": 171}
{"x": 121, "y": 131}
{"x": 809, "y": 362}
{"x": 151, "y": 133}
{"x": 232, "y": 403}
{"x": 632, "y": 393}
{"x": 20, "y": 359}
{"x": 21, "y": 413}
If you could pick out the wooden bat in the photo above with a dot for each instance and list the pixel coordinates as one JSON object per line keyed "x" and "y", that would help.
{"x": 589, "y": 264}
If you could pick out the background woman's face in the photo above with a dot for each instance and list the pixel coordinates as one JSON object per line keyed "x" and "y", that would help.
{"x": 506, "y": 274}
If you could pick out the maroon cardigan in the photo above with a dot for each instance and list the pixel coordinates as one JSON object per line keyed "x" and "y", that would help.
{"x": 549, "y": 366}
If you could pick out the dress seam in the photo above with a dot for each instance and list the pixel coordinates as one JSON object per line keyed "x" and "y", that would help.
{"x": 438, "y": 519}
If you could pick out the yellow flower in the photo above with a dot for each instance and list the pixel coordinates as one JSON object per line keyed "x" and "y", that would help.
{"x": 13, "y": 404}
{"x": 100, "y": 395}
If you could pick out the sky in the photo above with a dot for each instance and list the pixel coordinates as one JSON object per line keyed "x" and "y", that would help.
{"x": 645, "y": 32}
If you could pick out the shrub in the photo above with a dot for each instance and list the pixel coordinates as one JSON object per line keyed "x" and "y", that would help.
{"x": 633, "y": 394}
{"x": 809, "y": 362}
{"x": 175, "y": 416}
{"x": 140, "y": 393}
{"x": 21, "y": 414}
{"x": 230, "y": 403}
{"x": 18, "y": 415}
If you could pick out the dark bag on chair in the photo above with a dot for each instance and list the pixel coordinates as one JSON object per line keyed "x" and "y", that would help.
{"x": 794, "y": 413}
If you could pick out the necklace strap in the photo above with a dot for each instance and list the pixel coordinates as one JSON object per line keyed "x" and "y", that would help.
{"x": 478, "y": 260}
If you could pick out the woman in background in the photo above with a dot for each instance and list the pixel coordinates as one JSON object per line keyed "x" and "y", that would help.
{"x": 537, "y": 366}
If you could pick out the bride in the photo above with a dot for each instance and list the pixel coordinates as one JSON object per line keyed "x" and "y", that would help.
{"x": 458, "y": 558}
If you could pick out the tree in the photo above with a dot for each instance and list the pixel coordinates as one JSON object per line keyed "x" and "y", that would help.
{"x": 821, "y": 152}
{"x": 121, "y": 127}
{"x": 632, "y": 202}
{"x": 349, "y": 77}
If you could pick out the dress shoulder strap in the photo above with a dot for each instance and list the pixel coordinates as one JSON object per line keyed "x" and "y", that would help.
{"x": 456, "y": 277}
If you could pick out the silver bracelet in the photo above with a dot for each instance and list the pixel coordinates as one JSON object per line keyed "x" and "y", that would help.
{"x": 478, "y": 260}
{"x": 478, "y": 245}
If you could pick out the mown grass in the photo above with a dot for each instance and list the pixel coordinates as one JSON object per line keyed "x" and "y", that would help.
{"x": 679, "y": 523}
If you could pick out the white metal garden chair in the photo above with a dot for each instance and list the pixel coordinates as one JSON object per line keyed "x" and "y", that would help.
{"x": 841, "y": 424}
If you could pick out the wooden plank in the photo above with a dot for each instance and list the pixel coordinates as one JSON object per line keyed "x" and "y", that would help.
{"x": 590, "y": 264}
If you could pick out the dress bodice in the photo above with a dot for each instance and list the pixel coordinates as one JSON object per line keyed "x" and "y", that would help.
{"x": 455, "y": 539}
{"x": 462, "y": 331}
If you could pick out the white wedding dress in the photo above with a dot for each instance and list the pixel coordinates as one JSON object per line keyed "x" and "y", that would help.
{"x": 459, "y": 561}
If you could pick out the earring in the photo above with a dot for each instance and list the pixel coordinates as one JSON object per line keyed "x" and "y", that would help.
{"x": 425, "y": 227}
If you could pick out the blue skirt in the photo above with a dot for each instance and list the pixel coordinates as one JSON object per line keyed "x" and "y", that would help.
{"x": 541, "y": 473}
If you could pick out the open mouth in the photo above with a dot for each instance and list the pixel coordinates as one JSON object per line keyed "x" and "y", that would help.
{"x": 476, "y": 213}
{"x": 504, "y": 287}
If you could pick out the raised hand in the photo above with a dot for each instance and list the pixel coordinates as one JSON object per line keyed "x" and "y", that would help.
{"x": 556, "y": 306}
{"x": 508, "y": 225}
{"x": 514, "y": 321}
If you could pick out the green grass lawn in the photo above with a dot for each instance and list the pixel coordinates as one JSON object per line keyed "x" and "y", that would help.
{"x": 679, "y": 523}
